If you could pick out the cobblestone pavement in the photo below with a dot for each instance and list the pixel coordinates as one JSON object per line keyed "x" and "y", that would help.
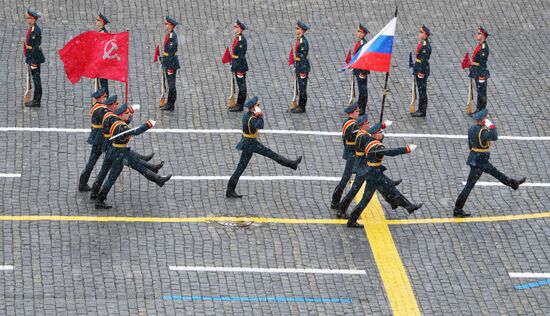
{"x": 86, "y": 266}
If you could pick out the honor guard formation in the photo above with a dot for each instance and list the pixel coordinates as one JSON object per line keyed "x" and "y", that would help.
{"x": 362, "y": 140}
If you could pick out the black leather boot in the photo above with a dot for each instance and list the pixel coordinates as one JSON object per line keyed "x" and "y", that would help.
{"x": 336, "y": 196}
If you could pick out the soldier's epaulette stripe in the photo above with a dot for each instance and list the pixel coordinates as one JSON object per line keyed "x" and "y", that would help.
{"x": 347, "y": 125}
{"x": 171, "y": 34}
{"x": 371, "y": 145}
{"x": 107, "y": 115}
{"x": 114, "y": 126}
{"x": 95, "y": 107}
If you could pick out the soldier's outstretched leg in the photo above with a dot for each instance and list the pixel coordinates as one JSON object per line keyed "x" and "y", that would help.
{"x": 392, "y": 195}
{"x": 490, "y": 169}
{"x": 85, "y": 176}
{"x": 103, "y": 172}
{"x": 473, "y": 176}
{"x": 337, "y": 194}
{"x": 346, "y": 201}
{"x": 115, "y": 171}
{"x": 356, "y": 213}
{"x": 266, "y": 152}
{"x": 241, "y": 166}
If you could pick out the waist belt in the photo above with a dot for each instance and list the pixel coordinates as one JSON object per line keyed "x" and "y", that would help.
{"x": 359, "y": 153}
{"x": 480, "y": 150}
{"x": 250, "y": 135}
{"x": 28, "y": 46}
{"x": 418, "y": 60}
{"x": 97, "y": 125}
{"x": 107, "y": 136}
{"x": 120, "y": 145}
{"x": 234, "y": 56}
{"x": 349, "y": 143}
{"x": 474, "y": 63}
{"x": 374, "y": 164}
{"x": 167, "y": 54}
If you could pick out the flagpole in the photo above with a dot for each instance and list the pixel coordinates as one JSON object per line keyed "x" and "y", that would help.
{"x": 386, "y": 86}
{"x": 128, "y": 77}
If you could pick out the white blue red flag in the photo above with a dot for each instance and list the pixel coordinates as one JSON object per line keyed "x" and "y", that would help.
{"x": 376, "y": 54}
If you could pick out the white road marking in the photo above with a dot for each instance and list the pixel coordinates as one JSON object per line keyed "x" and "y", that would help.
{"x": 10, "y": 175}
{"x": 6, "y": 268}
{"x": 238, "y": 131}
{"x": 257, "y": 178}
{"x": 265, "y": 270}
{"x": 529, "y": 275}
{"x": 529, "y": 184}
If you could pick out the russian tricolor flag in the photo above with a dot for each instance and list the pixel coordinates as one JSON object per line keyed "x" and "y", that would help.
{"x": 376, "y": 54}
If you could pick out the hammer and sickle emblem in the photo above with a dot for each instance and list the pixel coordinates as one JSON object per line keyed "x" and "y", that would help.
{"x": 110, "y": 50}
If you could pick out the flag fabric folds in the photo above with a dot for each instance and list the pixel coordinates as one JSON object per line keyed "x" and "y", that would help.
{"x": 291, "y": 58}
{"x": 348, "y": 57}
{"x": 466, "y": 62}
{"x": 157, "y": 54}
{"x": 376, "y": 54}
{"x": 226, "y": 58}
{"x": 96, "y": 55}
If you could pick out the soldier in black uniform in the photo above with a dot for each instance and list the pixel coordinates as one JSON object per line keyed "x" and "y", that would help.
{"x": 170, "y": 62}
{"x": 301, "y": 65}
{"x": 478, "y": 68}
{"x": 361, "y": 75}
{"x": 480, "y": 137}
{"x": 120, "y": 154}
{"x": 99, "y": 109}
{"x": 375, "y": 178}
{"x": 100, "y": 23}
{"x": 421, "y": 70}
{"x": 349, "y": 133}
{"x": 362, "y": 139}
{"x": 253, "y": 122}
{"x": 109, "y": 119}
{"x": 239, "y": 66}
{"x": 34, "y": 56}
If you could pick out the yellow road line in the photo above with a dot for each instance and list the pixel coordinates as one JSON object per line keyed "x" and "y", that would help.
{"x": 468, "y": 219}
{"x": 205, "y": 219}
{"x": 394, "y": 276}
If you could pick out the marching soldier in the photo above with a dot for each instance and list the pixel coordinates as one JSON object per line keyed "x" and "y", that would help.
{"x": 421, "y": 70}
{"x": 100, "y": 23}
{"x": 239, "y": 66}
{"x": 375, "y": 178}
{"x": 362, "y": 139}
{"x": 34, "y": 56}
{"x": 349, "y": 133}
{"x": 120, "y": 154}
{"x": 170, "y": 62}
{"x": 480, "y": 137}
{"x": 301, "y": 65}
{"x": 478, "y": 68}
{"x": 361, "y": 75}
{"x": 253, "y": 122}
{"x": 99, "y": 109}
{"x": 109, "y": 119}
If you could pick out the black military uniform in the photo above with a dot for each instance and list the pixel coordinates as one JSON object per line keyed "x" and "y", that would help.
{"x": 362, "y": 139}
{"x": 119, "y": 154}
{"x": 479, "y": 71}
{"x": 109, "y": 119}
{"x": 170, "y": 64}
{"x": 421, "y": 71}
{"x": 34, "y": 57}
{"x": 349, "y": 133}
{"x": 480, "y": 137}
{"x": 252, "y": 123}
{"x": 302, "y": 68}
{"x": 239, "y": 66}
{"x": 95, "y": 139}
{"x": 361, "y": 75}
{"x": 376, "y": 180}
{"x": 103, "y": 83}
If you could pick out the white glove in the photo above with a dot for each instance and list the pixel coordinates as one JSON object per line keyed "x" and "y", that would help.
{"x": 411, "y": 147}
{"x": 387, "y": 123}
{"x": 257, "y": 111}
{"x": 489, "y": 124}
{"x": 151, "y": 123}
{"x": 135, "y": 107}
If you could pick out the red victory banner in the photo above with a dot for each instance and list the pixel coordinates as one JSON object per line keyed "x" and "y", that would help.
{"x": 96, "y": 55}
